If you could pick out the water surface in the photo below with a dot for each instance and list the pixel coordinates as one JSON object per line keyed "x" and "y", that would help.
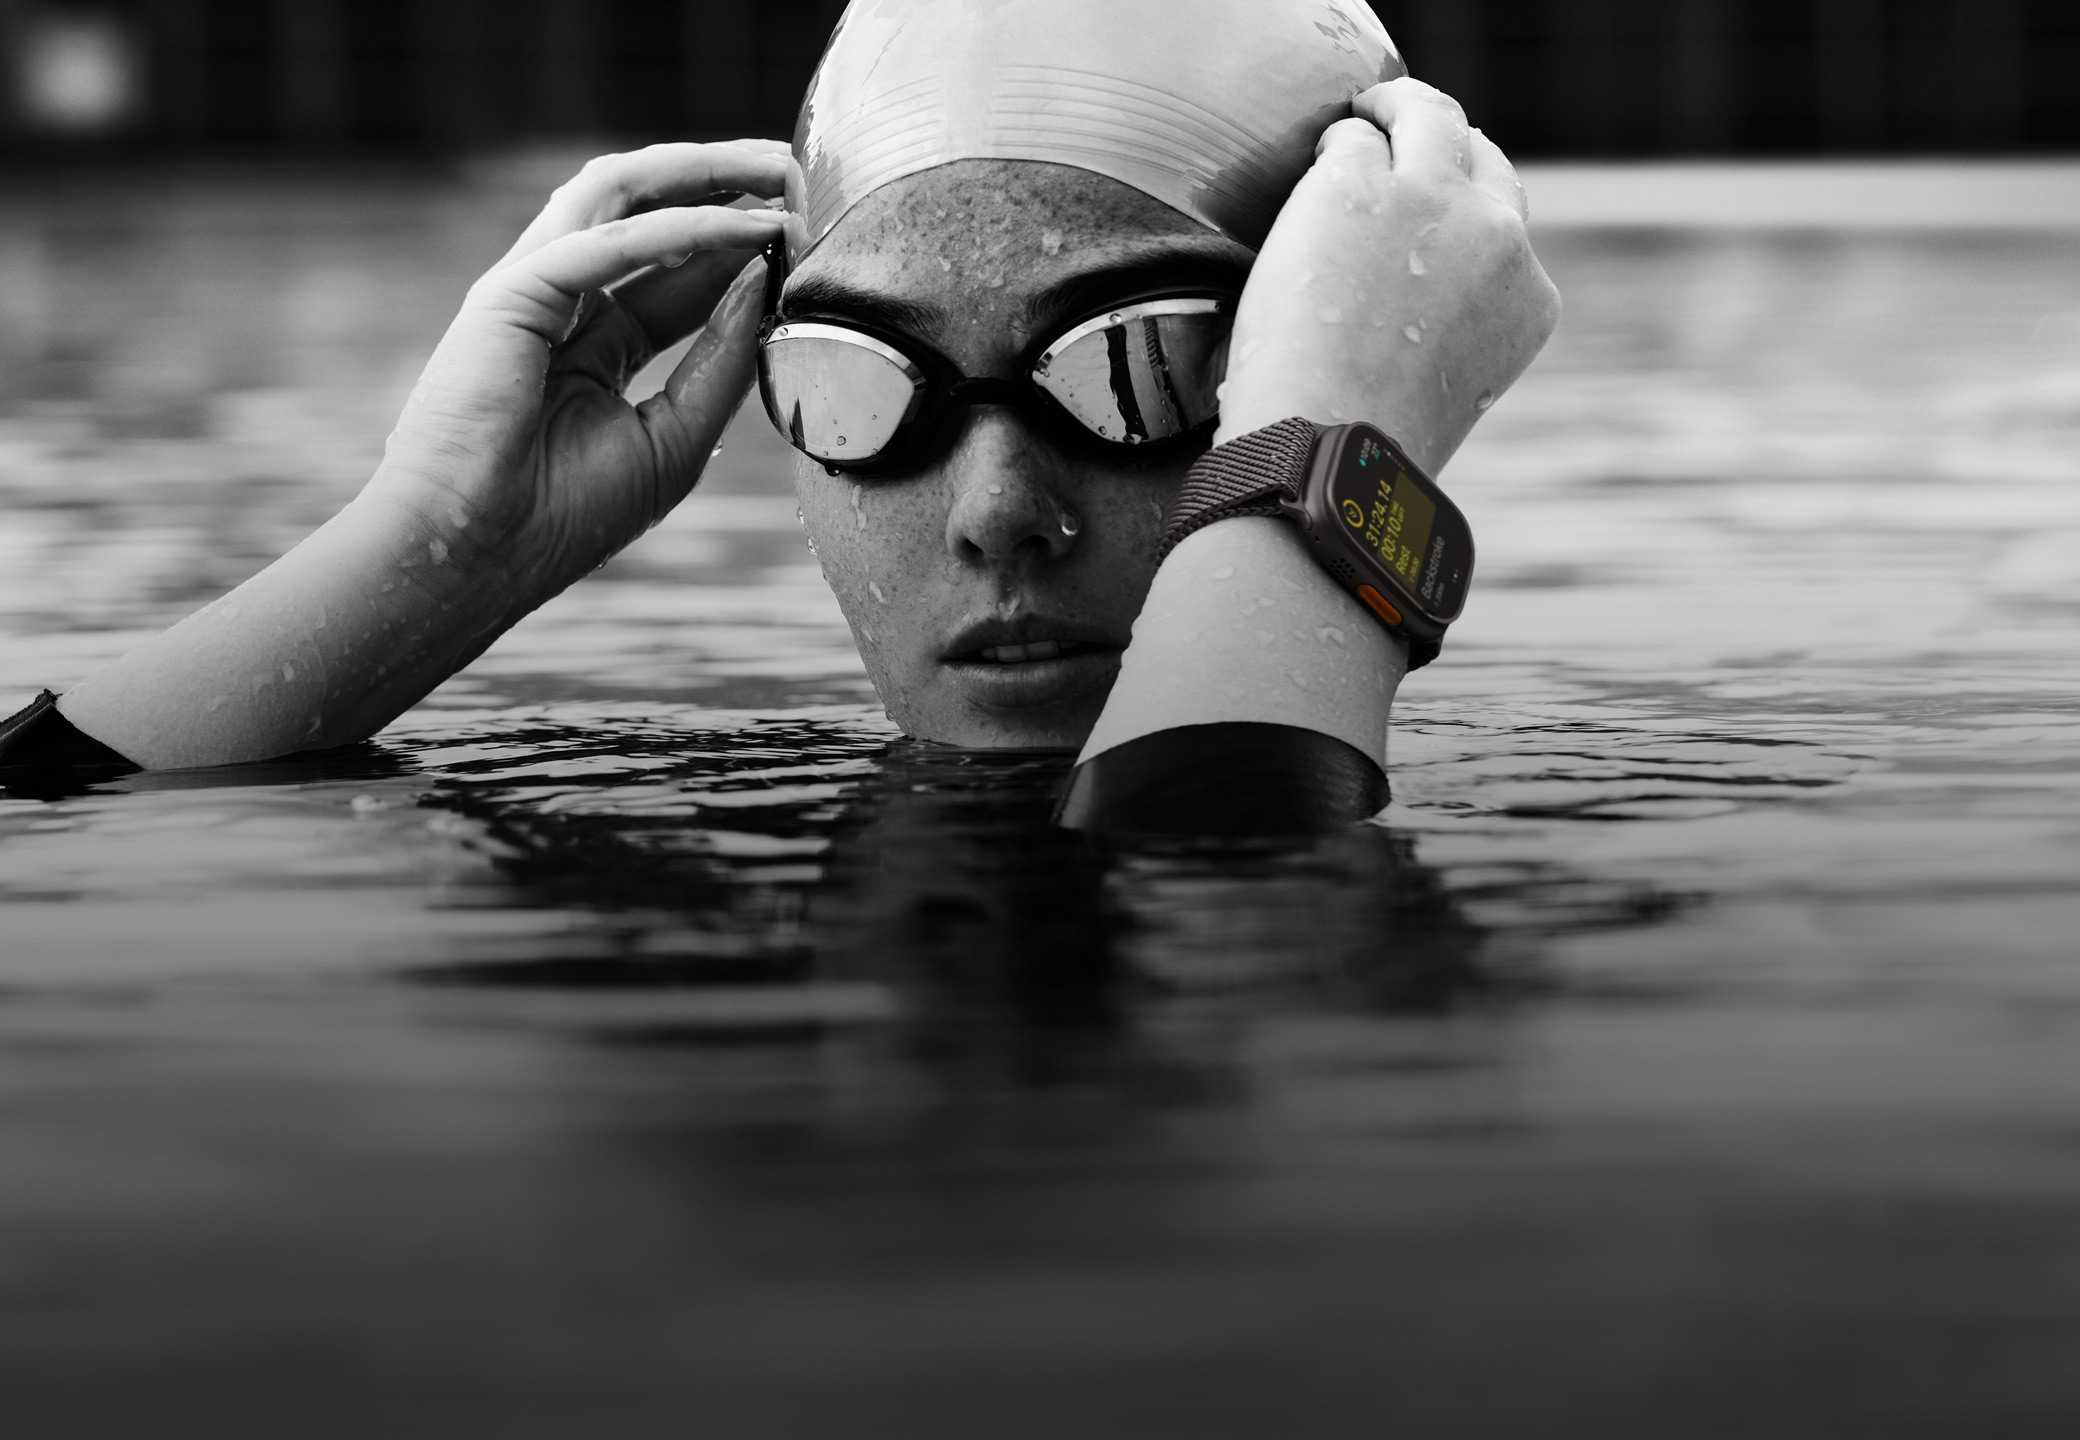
{"x": 641, "y": 1038}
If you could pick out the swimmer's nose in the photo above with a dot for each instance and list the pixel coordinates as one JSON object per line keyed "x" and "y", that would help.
{"x": 1006, "y": 506}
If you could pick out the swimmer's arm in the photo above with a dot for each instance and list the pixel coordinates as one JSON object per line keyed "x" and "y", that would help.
{"x": 515, "y": 470}
{"x": 323, "y": 648}
{"x": 1241, "y": 626}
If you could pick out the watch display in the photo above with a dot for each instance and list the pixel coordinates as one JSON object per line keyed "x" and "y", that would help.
{"x": 1409, "y": 543}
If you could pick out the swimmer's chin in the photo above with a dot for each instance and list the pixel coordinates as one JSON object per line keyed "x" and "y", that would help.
{"x": 1037, "y": 704}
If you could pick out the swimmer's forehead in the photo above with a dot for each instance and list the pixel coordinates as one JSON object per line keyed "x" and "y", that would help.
{"x": 1041, "y": 243}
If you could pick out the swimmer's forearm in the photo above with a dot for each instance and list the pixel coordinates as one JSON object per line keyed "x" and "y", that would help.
{"x": 324, "y": 647}
{"x": 1241, "y": 625}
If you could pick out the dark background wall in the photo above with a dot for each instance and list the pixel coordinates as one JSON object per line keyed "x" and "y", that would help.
{"x": 1547, "y": 77}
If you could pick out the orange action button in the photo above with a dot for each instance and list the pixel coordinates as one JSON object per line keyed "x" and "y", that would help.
{"x": 1379, "y": 604}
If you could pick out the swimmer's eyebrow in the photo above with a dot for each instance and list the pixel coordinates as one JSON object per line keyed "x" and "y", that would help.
{"x": 1181, "y": 269}
{"x": 827, "y": 295}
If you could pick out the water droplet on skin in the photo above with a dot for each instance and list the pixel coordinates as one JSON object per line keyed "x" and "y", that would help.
{"x": 366, "y": 805}
{"x": 438, "y": 549}
{"x": 1301, "y": 681}
{"x": 288, "y": 672}
{"x": 811, "y": 542}
{"x": 1157, "y": 511}
{"x": 1445, "y": 380}
{"x": 1329, "y": 315}
{"x": 716, "y": 451}
{"x": 1431, "y": 229}
{"x": 1226, "y": 572}
{"x": 1071, "y": 525}
{"x": 1050, "y": 242}
{"x": 216, "y": 703}
{"x": 945, "y": 264}
{"x": 1329, "y": 632}
{"x": 1306, "y": 278}
{"x": 1416, "y": 265}
{"x": 869, "y": 634}
{"x": 1415, "y": 336}
{"x": 799, "y": 517}
{"x": 996, "y": 489}
{"x": 875, "y": 590}
{"x": 1487, "y": 399}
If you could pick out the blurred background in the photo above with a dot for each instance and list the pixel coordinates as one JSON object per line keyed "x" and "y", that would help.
{"x": 1548, "y": 77}
{"x": 1696, "y": 1053}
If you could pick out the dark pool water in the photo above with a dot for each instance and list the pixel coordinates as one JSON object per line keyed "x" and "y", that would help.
{"x": 640, "y": 1038}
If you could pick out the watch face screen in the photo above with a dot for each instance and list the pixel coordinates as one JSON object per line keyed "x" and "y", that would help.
{"x": 1404, "y": 525}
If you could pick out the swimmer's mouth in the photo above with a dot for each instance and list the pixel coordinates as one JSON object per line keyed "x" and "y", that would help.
{"x": 1025, "y": 654}
{"x": 1028, "y": 640}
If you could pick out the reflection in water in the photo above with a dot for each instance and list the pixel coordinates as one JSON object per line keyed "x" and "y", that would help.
{"x": 640, "y": 1037}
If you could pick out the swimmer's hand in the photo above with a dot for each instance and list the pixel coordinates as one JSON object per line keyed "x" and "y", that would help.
{"x": 1398, "y": 286}
{"x": 516, "y": 468}
{"x": 516, "y": 452}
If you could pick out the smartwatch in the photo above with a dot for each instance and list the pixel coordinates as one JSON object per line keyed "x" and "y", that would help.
{"x": 1374, "y": 521}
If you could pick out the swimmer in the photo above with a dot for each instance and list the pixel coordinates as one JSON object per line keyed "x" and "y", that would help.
{"x": 968, "y": 185}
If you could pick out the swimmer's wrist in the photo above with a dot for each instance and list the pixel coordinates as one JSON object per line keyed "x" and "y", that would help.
{"x": 416, "y": 541}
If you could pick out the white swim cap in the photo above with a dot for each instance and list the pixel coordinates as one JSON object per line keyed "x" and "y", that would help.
{"x": 1211, "y": 106}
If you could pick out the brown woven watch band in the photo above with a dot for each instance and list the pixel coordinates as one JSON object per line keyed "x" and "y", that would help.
{"x": 1248, "y": 475}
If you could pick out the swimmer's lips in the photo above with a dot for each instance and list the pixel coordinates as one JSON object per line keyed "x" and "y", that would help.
{"x": 1029, "y": 665}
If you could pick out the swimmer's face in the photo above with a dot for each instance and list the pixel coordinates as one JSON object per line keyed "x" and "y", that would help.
{"x": 992, "y": 589}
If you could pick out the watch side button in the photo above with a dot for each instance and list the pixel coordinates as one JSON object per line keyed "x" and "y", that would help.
{"x": 1378, "y": 605}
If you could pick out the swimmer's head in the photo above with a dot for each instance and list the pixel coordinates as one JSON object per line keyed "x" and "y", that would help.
{"x": 977, "y": 176}
{"x": 1212, "y": 107}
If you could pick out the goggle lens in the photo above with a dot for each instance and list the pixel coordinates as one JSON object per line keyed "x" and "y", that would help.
{"x": 1144, "y": 373}
{"x": 837, "y": 394}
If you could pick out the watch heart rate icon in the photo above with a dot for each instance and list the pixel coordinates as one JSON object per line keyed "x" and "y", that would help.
{"x": 1353, "y": 516}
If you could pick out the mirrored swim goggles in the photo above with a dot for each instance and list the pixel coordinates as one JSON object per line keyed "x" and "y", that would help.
{"x": 1137, "y": 377}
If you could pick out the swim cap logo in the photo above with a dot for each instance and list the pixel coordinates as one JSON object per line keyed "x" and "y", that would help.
{"x": 1353, "y": 516}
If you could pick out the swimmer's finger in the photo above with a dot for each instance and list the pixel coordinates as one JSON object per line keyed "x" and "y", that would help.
{"x": 614, "y": 187}
{"x": 606, "y": 253}
{"x": 687, "y": 417}
{"x": 1356, "y": 140}
{"x": 650, "y": 313}
{"x": 1493, "y": 174}
{"x": 1425, "y": 126}
{"x": 670, "y": 304}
